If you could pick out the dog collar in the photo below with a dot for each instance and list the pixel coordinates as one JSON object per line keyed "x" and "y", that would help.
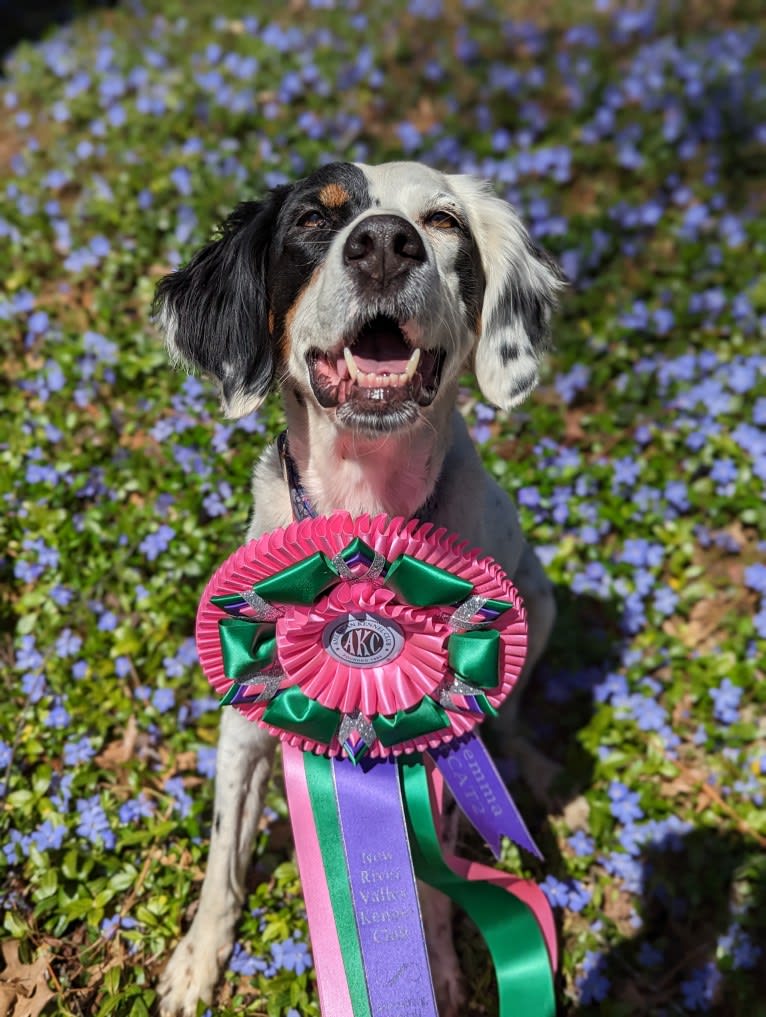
{"x": 300, "y": 501}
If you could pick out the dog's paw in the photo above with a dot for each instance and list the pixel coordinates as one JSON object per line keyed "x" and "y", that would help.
{"x": 190, "y": 975}
{"x": 450, "y": 991}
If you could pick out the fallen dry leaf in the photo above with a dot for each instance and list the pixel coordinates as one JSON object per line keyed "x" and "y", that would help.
{"x": 118, "y": 753}
{"x": 24, "y": 989}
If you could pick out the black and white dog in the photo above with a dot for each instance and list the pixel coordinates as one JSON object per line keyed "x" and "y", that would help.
{"x": 363, "y": 292}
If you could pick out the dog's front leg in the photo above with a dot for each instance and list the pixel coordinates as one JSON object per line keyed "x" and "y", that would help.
{"x": 245, "y": 755}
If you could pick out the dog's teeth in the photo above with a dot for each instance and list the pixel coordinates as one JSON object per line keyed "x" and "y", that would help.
{"x": 353, "y": 370}
{"x": 412, "y": 364}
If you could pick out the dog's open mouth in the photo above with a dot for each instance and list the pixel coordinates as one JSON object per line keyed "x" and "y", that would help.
{"x": 377, "y": 370}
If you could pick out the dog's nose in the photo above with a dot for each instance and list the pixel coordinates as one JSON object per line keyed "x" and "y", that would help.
{"x": 383, "y": 247}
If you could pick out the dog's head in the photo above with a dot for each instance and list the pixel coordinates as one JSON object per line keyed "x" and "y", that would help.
{"x": 366, "y": 288}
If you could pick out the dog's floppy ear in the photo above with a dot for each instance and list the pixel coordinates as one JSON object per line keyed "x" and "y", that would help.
{"x": 214, "y": 311}
{"x": 519, "y": 297}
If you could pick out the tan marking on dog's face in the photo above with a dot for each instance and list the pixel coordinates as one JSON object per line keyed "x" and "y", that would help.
{"x": 271, "y": 322}
{"x": 285, "y": 339}
{"x": 333, "y": 195}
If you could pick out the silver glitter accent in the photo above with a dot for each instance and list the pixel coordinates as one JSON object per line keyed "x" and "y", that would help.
{"x": 446, "y": 700}
{"x": 376, "y": 569}
{"x": 346, "y": 572}
{"x": 270, "y": 687}
{"x": 462, "y": 615}
{"x": 456, "y": 688}
{"x": 357, "y": 723}
{"x": 343, "y": 570}
{"x": 264, "y": 610}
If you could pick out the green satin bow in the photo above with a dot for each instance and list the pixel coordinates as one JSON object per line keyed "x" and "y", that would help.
{"x": 248, "y": 647}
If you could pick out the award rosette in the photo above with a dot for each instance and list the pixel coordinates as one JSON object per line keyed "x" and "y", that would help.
{"x": 372, "y": 648}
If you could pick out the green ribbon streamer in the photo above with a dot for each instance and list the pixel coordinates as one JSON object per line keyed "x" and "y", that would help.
{"x": 424, "y": 585}
{"x": 508, "y": 926}
{"x": 248, "y": 647}
{"x": 474, "y": 656}
{"x": 300, "y": 583}
{"x": 291, "y": 710}
{"x": 321, "y": 788}
{"x": 419, "y": 720}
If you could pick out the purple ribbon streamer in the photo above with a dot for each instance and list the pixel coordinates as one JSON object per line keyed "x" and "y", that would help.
{"x": 481, "y": 793}
{"x": 383, "y": 887}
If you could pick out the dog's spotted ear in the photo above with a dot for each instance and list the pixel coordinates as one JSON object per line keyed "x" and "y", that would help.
{"x": 214, "y": 311}
{"x": 521, "y": 285}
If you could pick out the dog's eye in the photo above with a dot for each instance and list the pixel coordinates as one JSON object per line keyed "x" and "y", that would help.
{"x": 442, "y": 221}
{"x": 312, "y": 220}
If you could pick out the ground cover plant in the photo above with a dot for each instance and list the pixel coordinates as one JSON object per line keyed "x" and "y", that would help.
{"x": 633, "y": 142}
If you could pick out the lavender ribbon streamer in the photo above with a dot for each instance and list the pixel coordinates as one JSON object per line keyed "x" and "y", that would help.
{"x": 383, "y": 887}
{"x": 480, "y": 792}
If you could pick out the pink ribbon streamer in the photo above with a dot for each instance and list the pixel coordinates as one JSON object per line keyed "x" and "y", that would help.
{"x": 331, "y": 974}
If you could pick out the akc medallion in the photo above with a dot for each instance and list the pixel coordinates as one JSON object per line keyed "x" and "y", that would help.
{"x": 363, "y": 640}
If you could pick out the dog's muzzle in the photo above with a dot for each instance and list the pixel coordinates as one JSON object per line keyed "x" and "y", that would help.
{"x": 378, "y": 376}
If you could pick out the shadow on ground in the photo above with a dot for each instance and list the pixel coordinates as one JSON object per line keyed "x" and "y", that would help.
{"x": 28, "y": 21}
{"x": 691, "y": 889}
{"x": 692, "y": 884}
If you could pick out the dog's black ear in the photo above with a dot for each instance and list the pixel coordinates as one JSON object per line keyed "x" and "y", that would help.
{"x": 520, "y": 294}
{"x": 215, "y": 311}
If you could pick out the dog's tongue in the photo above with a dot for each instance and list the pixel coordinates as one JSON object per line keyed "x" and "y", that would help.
{"x": 381, "y": 348}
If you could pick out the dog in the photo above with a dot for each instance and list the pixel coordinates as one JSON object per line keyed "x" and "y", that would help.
{"x": 362, "y": 292}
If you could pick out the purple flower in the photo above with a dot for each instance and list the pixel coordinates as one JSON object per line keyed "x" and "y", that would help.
{"x": 292, "y": 955}
{"x": 61, "y": 595}
{"x": 28, "y": 657}
{"x": 699, "y": 988}
{"x": 409, "y": 136}
{"x": 755, "y": 577}
{"x": 78, "y": 752}
{"x": 175, "y": 788}
{"x": 155, "y": 543}
{"x": 107, "y": 622}
{"x": 243, "y": 963}
{"x": 98, "y": 345}
{"x": 206, "y": 761}
{"x": 94, "y": 825}
{"x": 624, "y": 803}
{"x": 593, "y": 983}
{"x": 626, "y": 471}
{"x": 58, "y": 717}
{"x": 68, "y": 643}
{"x": 649, "y": 956}
{"x": 724, "y": 471}
{"x": 122, "y": 666}
{"x": 163, "y": 700}
{"x": 49, "y": 837}
{"x": 581, "y": 843}
{"x": 140, "y": 807}
{"x": 665, "y": 600}
{"x": 573, "y": 381}
{"x": 726, "y": 702}
{"x": 556, "y": 891}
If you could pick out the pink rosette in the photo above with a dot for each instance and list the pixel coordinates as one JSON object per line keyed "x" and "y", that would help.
{"x": 417, "y": 668}
{"x": 415, "y": 672}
